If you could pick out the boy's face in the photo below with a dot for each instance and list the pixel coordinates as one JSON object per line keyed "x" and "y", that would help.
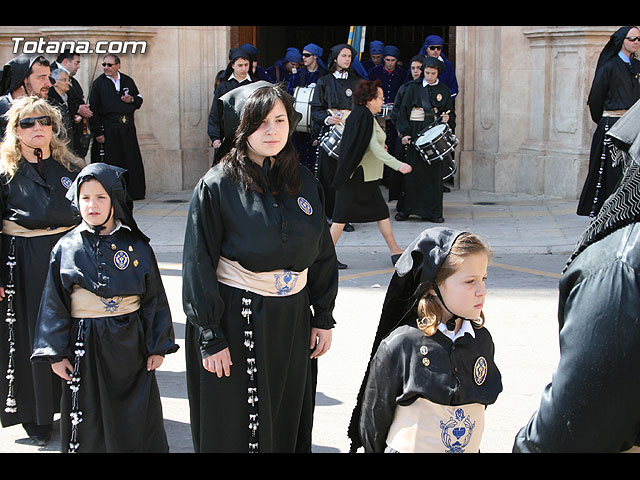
{"x": 95, "y": 204}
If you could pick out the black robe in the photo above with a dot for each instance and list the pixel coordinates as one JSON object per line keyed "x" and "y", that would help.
{"x": 34, "y": 203}
{"x": 263, "y": 233}
{"x": 421, "y": 193}
{"x": 216, "y": 128}
{"x": 591, "y": 405}
{"x": 330, "y": 93}
{"x": 615, "y": 86}
{"x": 114, "y": 119}
{"x": 118, "y": 397}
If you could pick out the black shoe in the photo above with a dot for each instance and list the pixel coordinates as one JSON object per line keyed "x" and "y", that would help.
{"x": 436, "y": 220}
{"x": 341, "y": 266}
{"x": 349, "y": 228}
{"x": 401, "y": 216}
{"x": 445, "y": 189}
{"x": 38, "y": 434}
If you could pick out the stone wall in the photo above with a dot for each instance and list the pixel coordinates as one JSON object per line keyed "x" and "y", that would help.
{"x": 524, "y": 124}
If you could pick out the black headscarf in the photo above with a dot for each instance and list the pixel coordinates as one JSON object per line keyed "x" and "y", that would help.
{"x": 622, "y": 208}
{"x": 14, "y": 73}
{"x": 336, "y": 49}
{"x": 232, "y": 103}
{"x": 235, "y": 54}
{"x": 111, "y": 179}
{"x": 415, "y": 272}
{"x": 433, "y": 63}
{"x": 613, "y": 46}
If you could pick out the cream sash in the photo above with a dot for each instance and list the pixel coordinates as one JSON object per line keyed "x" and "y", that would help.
{"x": 85, "y": 304}
{"x": 278, "y": 283}
{"x": 417, "y": 114}
{"x": 613, "y": 113}
{"x": 427, "y": 427}
{"x": 10, "y": 227}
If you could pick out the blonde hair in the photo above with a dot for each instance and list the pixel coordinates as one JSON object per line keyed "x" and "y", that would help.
{"x": 10, "y": 149}
{"x": 430, "y": 311}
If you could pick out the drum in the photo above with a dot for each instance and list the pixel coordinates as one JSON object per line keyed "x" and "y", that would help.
{"x": 302, "y": 97}
{"x": 330, "y": 141}
{"x": 385, "y": 111}
{"x": 435, "y": 143}
{"x": 449, "y": 168}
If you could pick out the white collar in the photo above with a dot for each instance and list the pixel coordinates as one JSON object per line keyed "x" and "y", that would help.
{"x": 343, "y": 74}
{"x": 84, "y": 226}
{"x": 466, "y": 327}
{"x": 424, "y": 82}
{"x": 239, "y": 81}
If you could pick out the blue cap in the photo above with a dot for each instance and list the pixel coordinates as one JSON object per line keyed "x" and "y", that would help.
{"x": 375, "y": 47}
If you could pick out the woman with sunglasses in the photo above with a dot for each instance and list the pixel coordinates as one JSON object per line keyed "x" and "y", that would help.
{"x": 36, "y": 169}
{"x": 614, "y": 90}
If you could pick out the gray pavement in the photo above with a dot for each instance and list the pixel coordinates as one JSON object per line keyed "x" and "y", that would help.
{"x": 531, "y": 238}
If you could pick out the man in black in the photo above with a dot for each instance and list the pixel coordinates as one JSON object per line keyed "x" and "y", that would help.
{"x": 22, "y": 76}
{"x": 80, "y": 112}
{"x": 114, "y": 99}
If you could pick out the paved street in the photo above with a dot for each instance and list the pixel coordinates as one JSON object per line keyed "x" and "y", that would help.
{"x": 531, "y": 238}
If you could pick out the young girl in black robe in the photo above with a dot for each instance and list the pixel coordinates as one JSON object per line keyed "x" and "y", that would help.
{"x": 432, "y": 373}
{"x": 105, "y": 324}
{"x": 257, "y": 256}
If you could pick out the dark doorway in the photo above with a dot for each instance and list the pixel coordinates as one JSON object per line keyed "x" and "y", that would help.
{"x": 274, "y": 40}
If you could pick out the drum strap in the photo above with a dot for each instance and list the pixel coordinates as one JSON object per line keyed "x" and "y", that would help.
{"x": 425, "y": 96}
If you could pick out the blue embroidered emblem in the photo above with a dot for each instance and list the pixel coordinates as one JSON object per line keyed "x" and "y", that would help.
{"x": 121, "y": 259}
{"x": 66, "y": 182}
{"x": 480, "y": 371}
{"x": 285, "y": 282}
{"x": 456, "y": 432}
{"x": 111, "y": 304}
{"x": 305, "y": 206}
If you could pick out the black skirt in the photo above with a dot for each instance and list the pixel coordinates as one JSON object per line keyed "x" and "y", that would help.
{"x": 359, "y": 201}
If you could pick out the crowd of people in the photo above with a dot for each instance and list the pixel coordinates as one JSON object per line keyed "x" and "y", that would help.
{"x": 87, "y": 317}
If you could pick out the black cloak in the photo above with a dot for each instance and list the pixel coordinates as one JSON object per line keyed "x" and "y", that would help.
{"x": 356, "y": 137}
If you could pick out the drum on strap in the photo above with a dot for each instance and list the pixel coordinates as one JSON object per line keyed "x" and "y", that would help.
{"x": 435, "y": 142}
{"x": 302, "y": 97}
{"x": 330, "y": 141}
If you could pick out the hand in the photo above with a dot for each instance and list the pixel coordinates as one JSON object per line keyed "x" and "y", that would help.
{"x": 405, "y": 168}
{"x": 127, "y": 98}
{"x": 445, "y": 117}
{"x": 320, "y": 342}
{"x": 100, "y": 139}
{"x": 216, "y": 144}
{"x": 63, "y": 369}
{"x": 219, "y": 363}
{"x": 334, "y": 120}
{"x": 406, "y": 140}
{"x": 1, "y": 293}
{"x": 154, "y": 361}
{"x": 85, "y": 111}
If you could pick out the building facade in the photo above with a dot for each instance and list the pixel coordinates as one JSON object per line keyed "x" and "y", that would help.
{"x": 523, "y": 121}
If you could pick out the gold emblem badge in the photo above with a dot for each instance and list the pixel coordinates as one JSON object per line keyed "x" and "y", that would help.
{"x": 121, "y": 259}
{"x": 439, "y": 97}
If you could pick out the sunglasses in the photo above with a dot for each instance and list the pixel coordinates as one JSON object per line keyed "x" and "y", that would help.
{"x": 30, "y": 122}
{"x": 105, "y": 64}
{"x": 435, "y": 47}
{"x": 632, "y": 39}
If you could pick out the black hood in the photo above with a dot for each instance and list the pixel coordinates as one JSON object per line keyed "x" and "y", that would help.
{"x": 14, "y": 73}
{"x": 111, "y": 179}
{"x": 232, "y": 103}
